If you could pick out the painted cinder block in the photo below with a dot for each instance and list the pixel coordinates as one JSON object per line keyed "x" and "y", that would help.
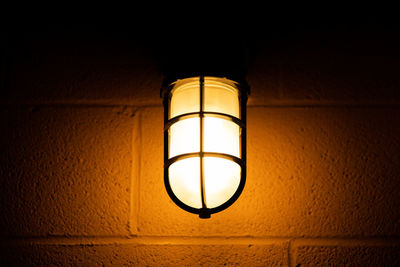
{"x": 311, "y": 172}
{"x": 346, "y": 253}
{"x": 65, "y": 171}
{"x": 131, "y": 254}
{"x": 324, "y": 171}
{"x": 69, "y": 255}
{"x": 323, "y": 161}
{"x": 214, "y": 255}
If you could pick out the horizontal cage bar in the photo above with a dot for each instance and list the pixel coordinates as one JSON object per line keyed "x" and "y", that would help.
{"x": 206, "y": 113}
{"x": 172, "y": 160}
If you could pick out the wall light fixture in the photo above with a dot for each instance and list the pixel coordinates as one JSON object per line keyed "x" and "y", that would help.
{"x": 204, "y": 143}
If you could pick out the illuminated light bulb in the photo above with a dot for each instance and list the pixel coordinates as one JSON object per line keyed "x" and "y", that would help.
{"x": 185, "y": 181}
{"x": 221, "y": 136}
{"x": 222, "y": 178}
{"x": 184, "y": 137}
{"x": 204, "y": 157}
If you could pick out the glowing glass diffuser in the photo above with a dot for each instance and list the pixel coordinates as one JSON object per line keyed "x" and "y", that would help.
{"x": 204, "y": 143}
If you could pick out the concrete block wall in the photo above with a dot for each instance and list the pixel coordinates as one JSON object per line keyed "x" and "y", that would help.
{"x": 82, "y": 156}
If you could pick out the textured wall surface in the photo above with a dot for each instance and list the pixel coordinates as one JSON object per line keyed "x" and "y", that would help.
{"x": 82, "y": 155}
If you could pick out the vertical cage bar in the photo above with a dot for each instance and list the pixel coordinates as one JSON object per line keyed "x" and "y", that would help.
{"x": 166, "y": 103}
{"x": 243, "y": 118}
{"x": 202, "y": 186}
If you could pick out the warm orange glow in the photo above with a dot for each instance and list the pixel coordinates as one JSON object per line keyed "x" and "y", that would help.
{"x": 221, "y": 176}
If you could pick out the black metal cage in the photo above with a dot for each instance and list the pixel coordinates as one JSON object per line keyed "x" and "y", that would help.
{"x": 166, "y": 93}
